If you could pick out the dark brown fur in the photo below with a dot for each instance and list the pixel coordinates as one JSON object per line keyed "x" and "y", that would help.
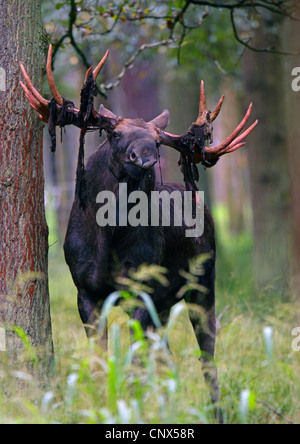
{"x": 91, "y": 251}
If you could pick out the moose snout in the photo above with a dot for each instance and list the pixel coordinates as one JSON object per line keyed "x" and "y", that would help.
{"x": 143, "y": 157}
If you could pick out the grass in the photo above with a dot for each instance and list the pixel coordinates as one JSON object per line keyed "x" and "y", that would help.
{"x": 144, "y": 382}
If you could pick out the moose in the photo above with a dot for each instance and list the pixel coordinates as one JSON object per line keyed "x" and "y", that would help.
{"x": 94, "y": 253}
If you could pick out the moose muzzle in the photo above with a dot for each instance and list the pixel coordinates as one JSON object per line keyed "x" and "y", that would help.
{"x": 143, "y": 155}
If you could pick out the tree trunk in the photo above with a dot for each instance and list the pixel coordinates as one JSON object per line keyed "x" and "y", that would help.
{"x": 292, "y": 44}
{"x": 24, "y": 296}
{"x": 230, "y": 177}
{"x": 269, "y": 174}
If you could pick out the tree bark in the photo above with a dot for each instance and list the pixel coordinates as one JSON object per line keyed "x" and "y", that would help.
{"x": 269, "y": 173}
{"x": 230, "y": 177}
{"x": 292, "y": 103}
{"x": 24, "y": 296}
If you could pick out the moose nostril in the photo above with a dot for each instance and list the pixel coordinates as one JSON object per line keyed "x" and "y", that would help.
{"x": 133, "y": 156}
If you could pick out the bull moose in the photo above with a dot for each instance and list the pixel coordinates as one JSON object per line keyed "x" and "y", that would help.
{"x": 128, "y": 157}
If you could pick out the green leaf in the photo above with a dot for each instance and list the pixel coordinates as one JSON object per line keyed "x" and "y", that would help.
{"x": 59, "y": 6}
{"x": 151, "y": 309}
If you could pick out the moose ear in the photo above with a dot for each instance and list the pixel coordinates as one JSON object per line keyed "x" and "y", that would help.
{"x": 161, "y": 121}
{"x": 105, "y": 112}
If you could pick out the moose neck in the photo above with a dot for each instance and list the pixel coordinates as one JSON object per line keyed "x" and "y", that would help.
{"x": 145, "y": 183}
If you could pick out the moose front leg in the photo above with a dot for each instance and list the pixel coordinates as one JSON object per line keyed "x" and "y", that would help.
{"x": 205, "y": 331}
{"x": 89, "y": 309}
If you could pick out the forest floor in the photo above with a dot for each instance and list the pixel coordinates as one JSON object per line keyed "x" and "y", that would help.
{"x": 159, "y": 387}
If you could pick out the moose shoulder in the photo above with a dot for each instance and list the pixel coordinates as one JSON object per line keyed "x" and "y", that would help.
{"x": 95, "y": 253}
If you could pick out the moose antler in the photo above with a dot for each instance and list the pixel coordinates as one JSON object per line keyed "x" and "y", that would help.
{"x": 192, "y": 144}
{"x": 65, "y": 111}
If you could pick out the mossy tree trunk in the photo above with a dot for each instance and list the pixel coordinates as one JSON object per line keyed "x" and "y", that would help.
{"x": 24, "y": 295}
{"x": 268, "y": 158}
{"x": 292, "y": 104}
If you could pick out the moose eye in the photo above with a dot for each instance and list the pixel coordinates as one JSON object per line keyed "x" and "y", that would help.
{"x": 115, "y": 136}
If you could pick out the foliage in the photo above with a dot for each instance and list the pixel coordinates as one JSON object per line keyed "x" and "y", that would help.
{"x": 210, "y": 32}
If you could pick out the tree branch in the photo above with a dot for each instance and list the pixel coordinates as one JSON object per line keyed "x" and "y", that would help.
{"x": 69, "y": 34}
{"x": 275, "y": 7}
{"x": 129, "y": 63}
{"x": 270, "y": 50}
{"x": 283, "y": 8}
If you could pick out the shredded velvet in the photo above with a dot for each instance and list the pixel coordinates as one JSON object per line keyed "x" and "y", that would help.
{"x": 88, "y": 92}
{"x": 80, "y": 191}
{"x": 52, "y": 124}
{"x": 64, "y": 117}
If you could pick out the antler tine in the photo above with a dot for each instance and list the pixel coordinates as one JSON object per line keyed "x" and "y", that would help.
{"x": 96, "y": 72}
{"x": 238, "y": 142}
{"x": 100, "y": 66}
{"x": 243, "y": 135}
{"x": 227, "y": 142}
{"x": 42, "y": 109}
{"x": 216, "y": 112}
{"x": 234, "y": 148}
{"x": 202, "y": 118}
{"x": 98, "y": 69}
{"x": 54, "y": 91}
{"x": 202, "y": 106}
{"x": 31, "y": 88}
{"x": 36, "y": 100}
{"x": 88, "y": 73}
{"x": 32, "y": 100}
